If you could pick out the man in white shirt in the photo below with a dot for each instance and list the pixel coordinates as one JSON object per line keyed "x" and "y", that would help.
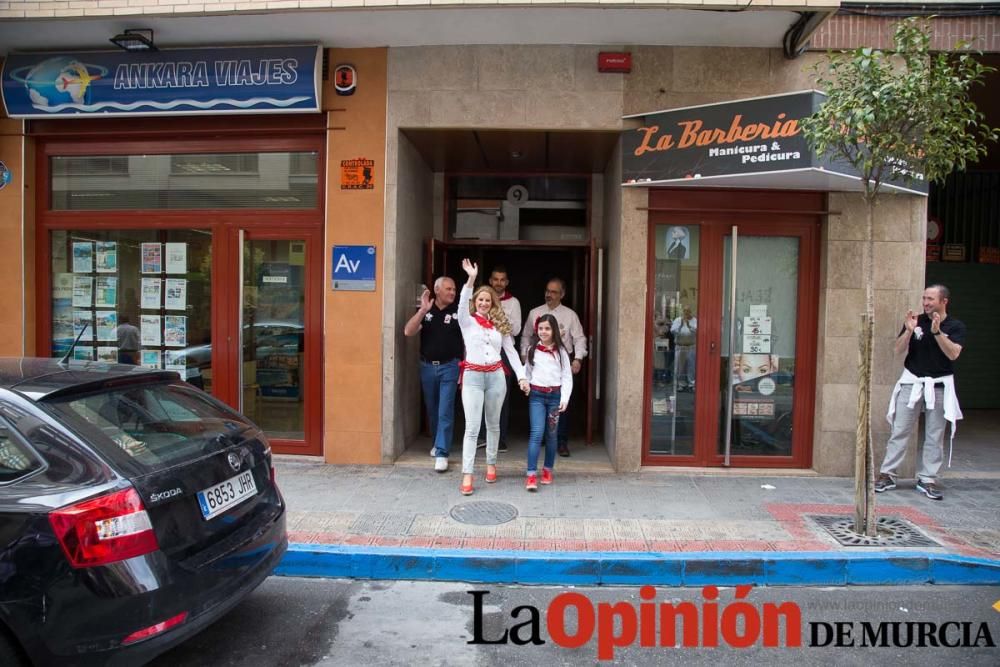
{"x": 685, "y": 329}
{"x": 512, "y": 308}
{"x": 572, "y": 336}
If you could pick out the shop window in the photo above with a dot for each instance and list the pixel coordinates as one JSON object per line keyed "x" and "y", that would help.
{"x": 283, "y": 180}
{"x": 675, "y": 337}
{"x": 134, "y": 296}
{"x": 235, "y": 164}
{"x": 113, "y": 165}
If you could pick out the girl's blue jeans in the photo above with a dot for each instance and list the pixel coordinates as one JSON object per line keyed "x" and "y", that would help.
{"x": 543, "y": 411}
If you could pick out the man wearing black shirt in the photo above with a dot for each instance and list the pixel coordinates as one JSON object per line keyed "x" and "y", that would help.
{"x": 441, "y": 349}
{"x": 932, "y": 343}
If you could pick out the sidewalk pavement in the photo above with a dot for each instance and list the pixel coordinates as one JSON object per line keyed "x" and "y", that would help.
{"x": 659, "y": 527}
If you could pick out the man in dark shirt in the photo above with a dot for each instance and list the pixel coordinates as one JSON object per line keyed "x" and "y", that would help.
{"x": 932, "y": 343}
{"x": 441, "y": 349}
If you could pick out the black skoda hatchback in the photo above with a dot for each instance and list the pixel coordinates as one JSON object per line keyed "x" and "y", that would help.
{"x": 134, "y": 511}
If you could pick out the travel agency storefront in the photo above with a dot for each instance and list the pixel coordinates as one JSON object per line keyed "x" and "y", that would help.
{"x": 185, "y": 193}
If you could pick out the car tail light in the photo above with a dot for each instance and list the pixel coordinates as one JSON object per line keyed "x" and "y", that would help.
{"x": 105, "y": 529}
{"x": 146, "y": 633}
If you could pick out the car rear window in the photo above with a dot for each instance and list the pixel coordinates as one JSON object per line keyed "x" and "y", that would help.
{"x": 16, "y": 460}
{"x": 150, "y": 427}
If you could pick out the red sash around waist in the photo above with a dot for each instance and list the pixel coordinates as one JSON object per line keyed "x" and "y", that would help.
{"x": 480, "y": 368}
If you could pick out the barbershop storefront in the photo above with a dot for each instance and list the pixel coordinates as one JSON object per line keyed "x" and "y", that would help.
{"x": 737, "y": 204}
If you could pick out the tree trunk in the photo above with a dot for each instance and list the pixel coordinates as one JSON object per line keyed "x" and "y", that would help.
{"x": 864, "y": 469}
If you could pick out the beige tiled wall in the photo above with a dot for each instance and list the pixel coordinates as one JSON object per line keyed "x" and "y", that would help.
{"x": 899, "y": 233}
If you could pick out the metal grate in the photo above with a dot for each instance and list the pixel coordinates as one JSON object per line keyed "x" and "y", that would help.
{"x": 892, "y": 532}
{"x": 484, "y": 513}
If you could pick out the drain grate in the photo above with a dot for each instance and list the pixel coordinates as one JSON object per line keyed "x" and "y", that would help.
{"x": 892, "y": 532}
{"x": 484, "y": 513}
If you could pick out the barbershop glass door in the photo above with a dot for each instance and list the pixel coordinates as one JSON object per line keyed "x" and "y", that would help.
{"x": 749, "y": 335}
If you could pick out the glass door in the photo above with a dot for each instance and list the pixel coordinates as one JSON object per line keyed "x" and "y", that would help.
{"x": 731, "y": 343}
{"x": 675, "y": 312}
{"x": 759, "y": 309}
{"x": 278, "y": 340}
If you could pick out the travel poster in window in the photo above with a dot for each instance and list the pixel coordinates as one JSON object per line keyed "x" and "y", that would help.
{"x": 152, "y": 258}
{"x": 107, "y": 257}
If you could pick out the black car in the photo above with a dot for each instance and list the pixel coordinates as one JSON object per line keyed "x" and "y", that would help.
{"x": 134, "y": 511}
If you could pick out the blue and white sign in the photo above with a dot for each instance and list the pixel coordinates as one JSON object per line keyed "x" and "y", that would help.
{"x": 354, "y": 268}
{"x": 5, "y": 175}
{"x": 260, "y": 79}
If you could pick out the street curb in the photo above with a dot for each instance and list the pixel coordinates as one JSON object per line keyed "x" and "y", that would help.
{"x": 593, "y": 568}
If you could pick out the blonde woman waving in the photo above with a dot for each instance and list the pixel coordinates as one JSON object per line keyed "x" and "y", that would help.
{"x": 485, "y": 331}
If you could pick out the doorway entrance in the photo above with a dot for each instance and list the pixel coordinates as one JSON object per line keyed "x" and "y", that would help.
{"x": 529, "y": 268}
{"x": 731, "y": 343}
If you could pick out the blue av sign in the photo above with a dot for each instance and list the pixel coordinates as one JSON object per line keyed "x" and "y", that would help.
{"x": 270, "y": 79}
{"x": 354, "y": 268}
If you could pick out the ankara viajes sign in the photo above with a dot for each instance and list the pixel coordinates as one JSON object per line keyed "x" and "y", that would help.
{"x": 237, "y": 80}
{"x": 756, "y": 142}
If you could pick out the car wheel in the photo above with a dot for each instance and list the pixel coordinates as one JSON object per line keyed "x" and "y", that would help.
{"x": 10, "y": 652}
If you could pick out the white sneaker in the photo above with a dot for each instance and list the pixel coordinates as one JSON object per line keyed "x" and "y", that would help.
{"x": 441, "y": 463}
{"x": 433, "y": 450}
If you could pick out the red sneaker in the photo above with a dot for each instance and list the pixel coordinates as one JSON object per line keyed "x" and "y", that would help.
{"x": 491, "y": 475}
{"x": 546, "y": 476}
{"x": 531, "y": 483}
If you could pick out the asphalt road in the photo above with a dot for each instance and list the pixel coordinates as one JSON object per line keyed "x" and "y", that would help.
{"x": 289, "y": 622}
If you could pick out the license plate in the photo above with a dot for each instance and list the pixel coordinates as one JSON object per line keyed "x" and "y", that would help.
{"x": 217, "y": 499}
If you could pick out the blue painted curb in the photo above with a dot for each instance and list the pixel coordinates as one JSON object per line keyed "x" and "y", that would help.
{"x": 594, "y": 568}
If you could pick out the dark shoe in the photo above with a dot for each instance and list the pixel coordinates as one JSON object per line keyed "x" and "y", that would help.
{"x": 502, "y": 447}
{"x": 563, "y": 450}
{"x": 884, "y": 483}
{"x": 930, "y": 489}
{"x": 480, "y": 443}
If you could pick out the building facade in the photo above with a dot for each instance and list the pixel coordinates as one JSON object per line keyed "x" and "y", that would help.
{"x": 482, "y": 132}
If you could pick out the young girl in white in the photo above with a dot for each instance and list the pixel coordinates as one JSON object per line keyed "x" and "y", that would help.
{"x": 485, "y": 330}
{"x": 551, "y": 380}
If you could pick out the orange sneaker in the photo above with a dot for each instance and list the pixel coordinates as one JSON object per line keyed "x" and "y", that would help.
{"x": 491, "y": 474}
{"x": 531, "y": 483}
{"x": 546, "y": 476}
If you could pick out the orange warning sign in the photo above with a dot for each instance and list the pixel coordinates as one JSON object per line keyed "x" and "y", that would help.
{"x": 357, "y": 174}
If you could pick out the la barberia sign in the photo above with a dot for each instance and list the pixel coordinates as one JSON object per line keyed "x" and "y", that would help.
{"x": 755, "y": 142}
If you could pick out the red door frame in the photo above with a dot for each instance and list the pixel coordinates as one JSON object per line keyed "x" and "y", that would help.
{"x": 167, "y": 136}
{"x": 755, "y": 213}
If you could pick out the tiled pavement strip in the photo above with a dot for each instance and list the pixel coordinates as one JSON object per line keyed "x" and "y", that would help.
{"x": 650, "y": 511}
